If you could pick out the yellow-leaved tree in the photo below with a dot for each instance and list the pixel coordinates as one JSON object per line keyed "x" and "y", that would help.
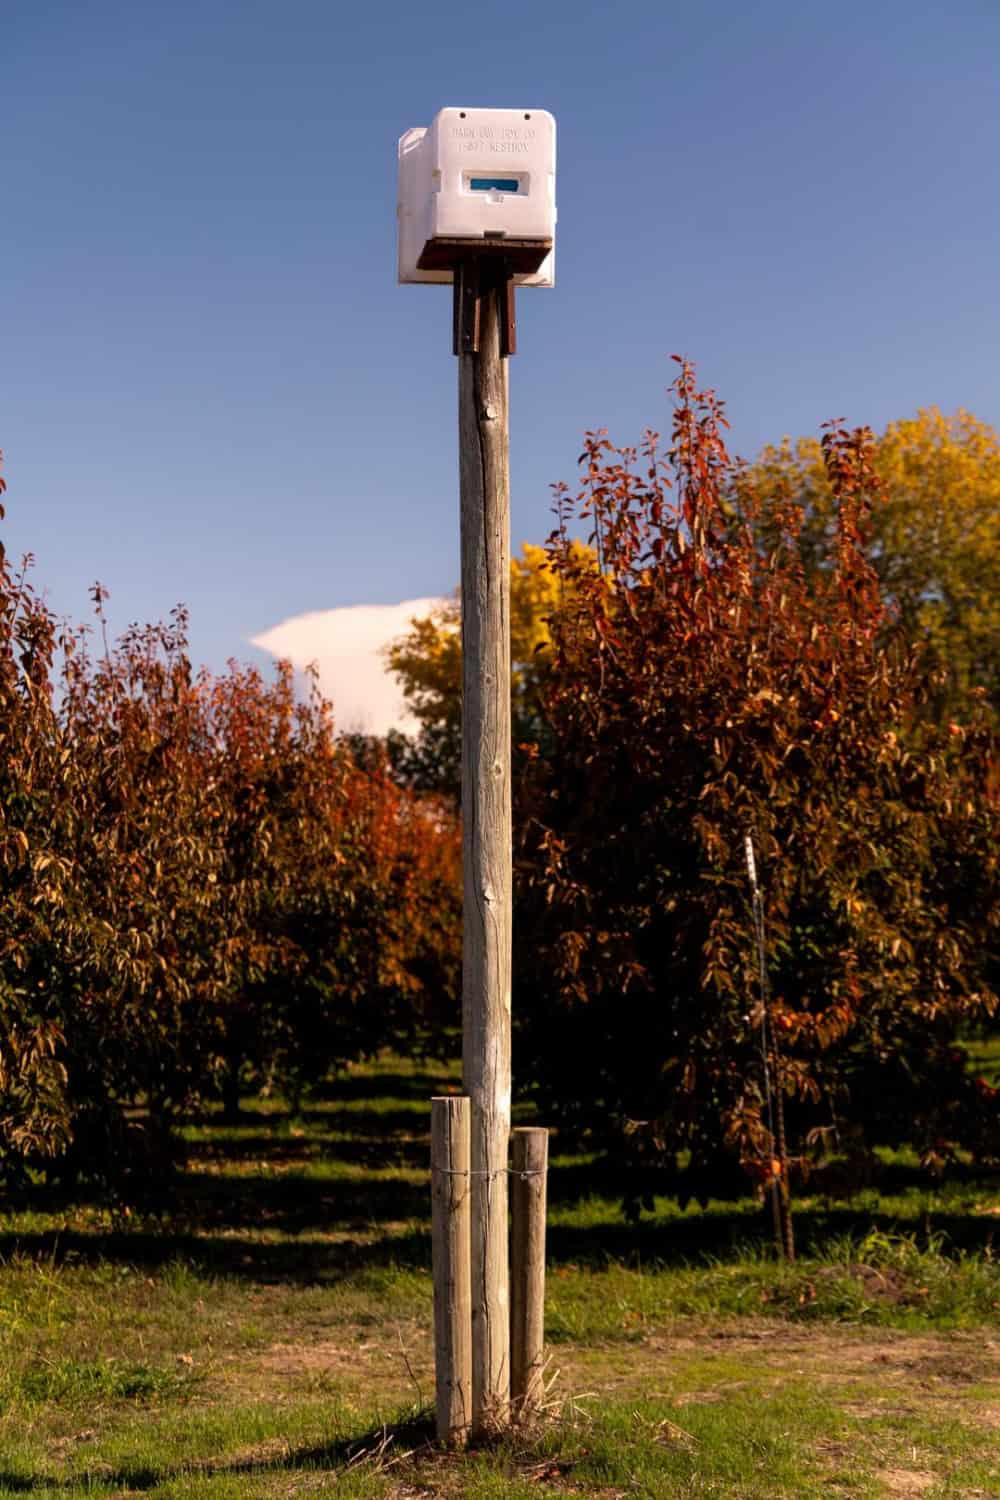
{"x": 935, "y": 534}
{"x": 427, "y": 662}
{"x": 935, "y": 543}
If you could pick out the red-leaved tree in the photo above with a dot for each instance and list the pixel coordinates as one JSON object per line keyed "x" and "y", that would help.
{"x": 203, "y": 889}
{"x": 704, "y": 689}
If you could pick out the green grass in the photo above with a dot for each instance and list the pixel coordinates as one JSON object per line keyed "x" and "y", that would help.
{"x": 747, "y": 1442}
{"x": 75, "y": 1382}
{"x": 245, "y": 1338}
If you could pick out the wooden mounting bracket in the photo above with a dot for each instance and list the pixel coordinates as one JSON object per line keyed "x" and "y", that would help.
{"x": 475, "y": 278}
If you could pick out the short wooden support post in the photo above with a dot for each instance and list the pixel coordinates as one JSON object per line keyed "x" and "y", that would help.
{"x": 450, "y": 1220}
{"x": 527, "y": 1332}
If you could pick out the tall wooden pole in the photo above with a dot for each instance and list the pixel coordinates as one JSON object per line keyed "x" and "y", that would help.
{"x": 486, "y": 814}
{"x": 450, "y": 1234}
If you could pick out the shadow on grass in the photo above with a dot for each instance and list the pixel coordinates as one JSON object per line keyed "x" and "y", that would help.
{"x": 294, "y": 1204}
{"x": 278, "y": 1124}
{"x": 413, "y": 1438}
{"x": 372, "y": 1152}
{"x": 419, "y": 1085}
{"x": 697, "y": 1239}
{"x": 273, "y": 1205}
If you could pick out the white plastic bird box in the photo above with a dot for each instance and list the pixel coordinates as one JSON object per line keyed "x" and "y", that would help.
{"x": 479, "y": 182}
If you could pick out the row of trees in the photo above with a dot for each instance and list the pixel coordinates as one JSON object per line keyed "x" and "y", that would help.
{"x": 776, "y": 651}
{"x": 202, "y": 887}
{"x": 205, "y": 887}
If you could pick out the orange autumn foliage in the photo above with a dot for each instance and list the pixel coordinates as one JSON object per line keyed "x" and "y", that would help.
{"x": 204, "y": 888}
{"x": 706, "y": 685}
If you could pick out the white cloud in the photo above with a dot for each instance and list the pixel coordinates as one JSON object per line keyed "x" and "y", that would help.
{"x": 345, "y": 644}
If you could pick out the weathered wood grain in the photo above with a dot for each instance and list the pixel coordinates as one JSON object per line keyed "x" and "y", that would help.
{"x": 486, "y": 812}
{"x": 450, "y": 1219}
{"x": 527, "y": 1281}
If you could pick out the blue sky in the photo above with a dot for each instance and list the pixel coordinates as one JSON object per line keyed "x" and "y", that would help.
{"x": 211, "y": 388}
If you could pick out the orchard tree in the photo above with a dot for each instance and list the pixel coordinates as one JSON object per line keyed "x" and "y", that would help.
{"x": 427, "y": 662}
{"x": 203, "y": 887}
{"x": 34, "y": 1111}
{"x": 934, "y": 537}
{"x": 704, "y": 687}
{"x": 139, "y": 921}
